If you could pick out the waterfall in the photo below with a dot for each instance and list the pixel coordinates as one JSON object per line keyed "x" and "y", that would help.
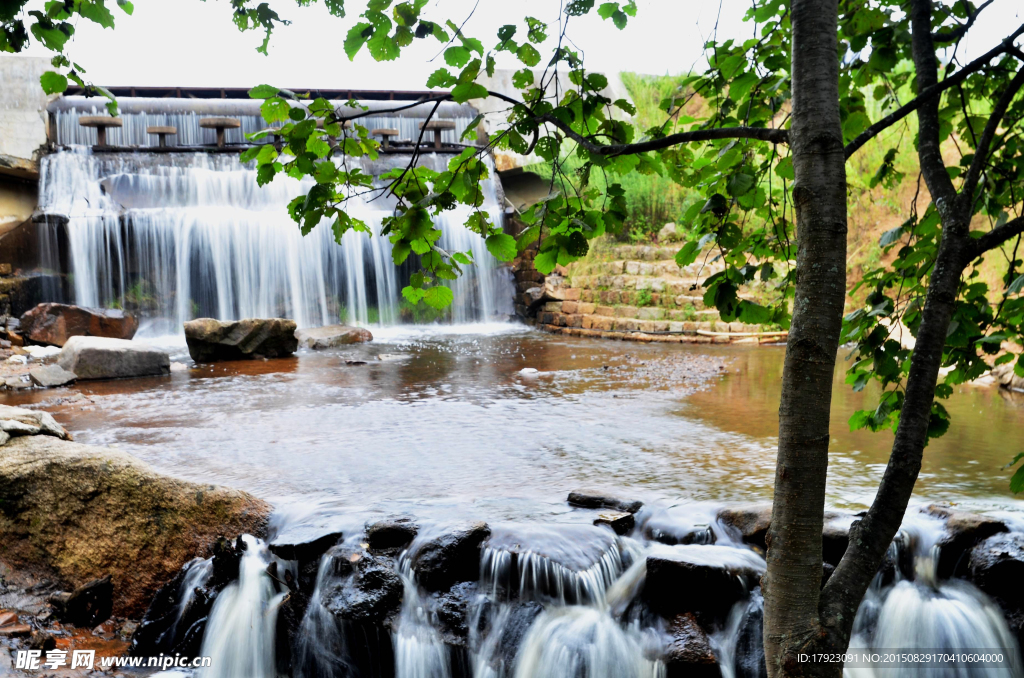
{"x": 178, "y": 236}
{"x": 239, "y": 638}
{"x": 320, "y": 647}
{"x": 419, "y": 649}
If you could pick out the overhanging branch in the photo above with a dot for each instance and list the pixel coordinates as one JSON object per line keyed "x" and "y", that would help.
{"x": 997, "y": 236}
{"x": 955, "y": 34}
{"x": 933, "y": 91}
{"x": 981, "y": 152}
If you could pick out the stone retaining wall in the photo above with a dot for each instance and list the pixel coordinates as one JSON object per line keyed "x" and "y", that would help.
{"x": 630, "y": 292}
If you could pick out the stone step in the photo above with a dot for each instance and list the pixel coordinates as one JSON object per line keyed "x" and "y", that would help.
{"x": 631, "y": 315}
{"x": 612, "y": 323}
{"x": 632, "y": 298}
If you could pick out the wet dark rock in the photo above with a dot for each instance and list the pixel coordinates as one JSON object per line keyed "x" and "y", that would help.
{"x": 689, "y": 653}
{"x": 598, "y": 500}
{"x": 835, "y": 536}
{"x": 996, "y": 566}
{"x": 56, "y": 323}
{"x": 331, "y": 336}
{"x": 452, "y": 611}
{"x": 750, "y": 521}
{"x": 391, "y": 534}
{"x": 695, "y": 579}
{"x": 88, "y": 605}
{"x": 51, "y": 376}
{"x": 674, "y": 526}
{"x": 366, "y": 587}
{"x": 43, "y": 641}
{"x": 105, "y": 358}
{"x": 620, "y": 521}
{"x": 451, "y": 557}
{"x": 211, "y": 340}
{"x": 748, "y": 661}
{"x": 304, "y": 543}
{"x": 963, "y": 531}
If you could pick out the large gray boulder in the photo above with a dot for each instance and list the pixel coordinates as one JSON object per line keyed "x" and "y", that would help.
{"x": 331, "y": 336}
{"x": 211, "y": 340}
{"x": 76, "y": 513}
{"x": 105, "y": 358}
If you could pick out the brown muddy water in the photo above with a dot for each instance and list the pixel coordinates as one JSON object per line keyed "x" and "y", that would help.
{"x": 450, "y": 421}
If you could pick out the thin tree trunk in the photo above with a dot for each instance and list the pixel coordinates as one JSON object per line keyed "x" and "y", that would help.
{"x": 792, "y": 582}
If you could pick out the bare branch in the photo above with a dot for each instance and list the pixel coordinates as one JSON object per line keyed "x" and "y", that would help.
{"x": 997, "y": 236}
{"x": 981, "y": 151}
{"x": 935, "y": 90}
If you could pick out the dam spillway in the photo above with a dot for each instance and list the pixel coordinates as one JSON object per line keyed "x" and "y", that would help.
{"x": 177, "y": 235}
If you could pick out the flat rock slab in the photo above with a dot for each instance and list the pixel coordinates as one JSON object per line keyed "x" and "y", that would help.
{"x": 105, "y": 358}
{"x": 331, "y": 336}
{"x": 600, "y": 500}
{"x": 211, "y": 340}
{"x": 51, "y": 376}
{"x": 56, "y": 323}
{"x": 17, "y": 421}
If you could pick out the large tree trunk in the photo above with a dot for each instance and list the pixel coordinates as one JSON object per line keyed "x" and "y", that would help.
{"x": 792, "y": 582}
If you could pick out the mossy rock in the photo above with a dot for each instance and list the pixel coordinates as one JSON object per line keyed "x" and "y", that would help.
{"x": 79, "y": 512}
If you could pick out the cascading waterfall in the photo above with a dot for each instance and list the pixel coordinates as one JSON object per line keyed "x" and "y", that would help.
{"x": 189, "y": 235}
{"x": 239, "y": 638}
{"x": 419, "y": 650}
{"x": 919, "y": 613}
{"x": 565, "y": 602}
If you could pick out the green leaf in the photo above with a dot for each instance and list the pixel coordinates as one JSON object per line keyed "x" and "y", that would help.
{"x": 468, "y": 90}
{"x": 95, "y": 10}
{"x": 528, "y": 54}
{"x": 441, "y": 78}
{"x": 126, "y": 6}
{"x": 546, "y": 261}
{"x": 522, "y": 79}
{"x": 606, "y": 10}
{"x": 53, "y": 83}
{"x": 456, "y": 56}
{"x": 438, "y": 297}
{"x": 502, "y": 246}
{"x": 383, "y": 47}
{"x": 356, "y": 38}
{"x": 688, "y": 254}
{"x": 263, "y": 92}
{"x": 1017, "y": 481}
{"x": 740, "y": 184}
{"x": 1016, "y": 286}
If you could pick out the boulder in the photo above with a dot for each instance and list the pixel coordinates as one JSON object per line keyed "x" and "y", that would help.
{"x": 88, "y": 605}
{"x": 331, "y": 336}
{"x": 452, "y": 611}
{"x": 704, "y": 580}
{"x": 668, "y": 233}
{"x": 963, "y": 531}
{"x": 689, "y": 651}
{"x": 365, "y": 587}
{"x": 749, "y": 521}
{"x": 996, "y": 566}
{"x": 104, "y": 358}
{"x": 51, "y": 376}
{"x": 56, "y": 323}
{"x": 76, "y": 513}
{"x": 391, "y": 534}
{"x": 211, "y": 340}
{"x": 598, "y": 500}
{"x": 620, "y": 521}
{"x": 1007, "y": 378}
{"x": 304, "y": 543}
{"x": 451, "y": 557}
{"x": 17, "y": 421}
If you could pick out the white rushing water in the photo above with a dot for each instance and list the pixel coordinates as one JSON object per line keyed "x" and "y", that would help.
{"x": 186, "y": 235}
{"x": 239, "y": 637}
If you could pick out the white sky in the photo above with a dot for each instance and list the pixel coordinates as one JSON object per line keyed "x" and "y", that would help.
{"x": 194, "y": 43}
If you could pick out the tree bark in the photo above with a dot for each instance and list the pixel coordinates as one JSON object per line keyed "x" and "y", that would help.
{"x": 792, "y": 581}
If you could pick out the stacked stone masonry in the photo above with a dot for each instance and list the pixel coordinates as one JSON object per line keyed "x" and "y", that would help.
{"x": 640, "y": 295}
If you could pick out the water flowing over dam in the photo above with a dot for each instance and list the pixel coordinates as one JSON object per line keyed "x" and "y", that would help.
{"x": 558, "y": 601}
{"x": 187, "y": 234}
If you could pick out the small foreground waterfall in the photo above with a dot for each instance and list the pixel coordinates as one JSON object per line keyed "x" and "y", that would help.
{"x": 240, "y": 634}
{"x": 677, "y": 595}
{"x": 178, "y": 235}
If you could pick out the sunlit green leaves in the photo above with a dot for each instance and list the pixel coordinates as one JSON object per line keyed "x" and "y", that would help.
{"x": 53, "y": 83}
